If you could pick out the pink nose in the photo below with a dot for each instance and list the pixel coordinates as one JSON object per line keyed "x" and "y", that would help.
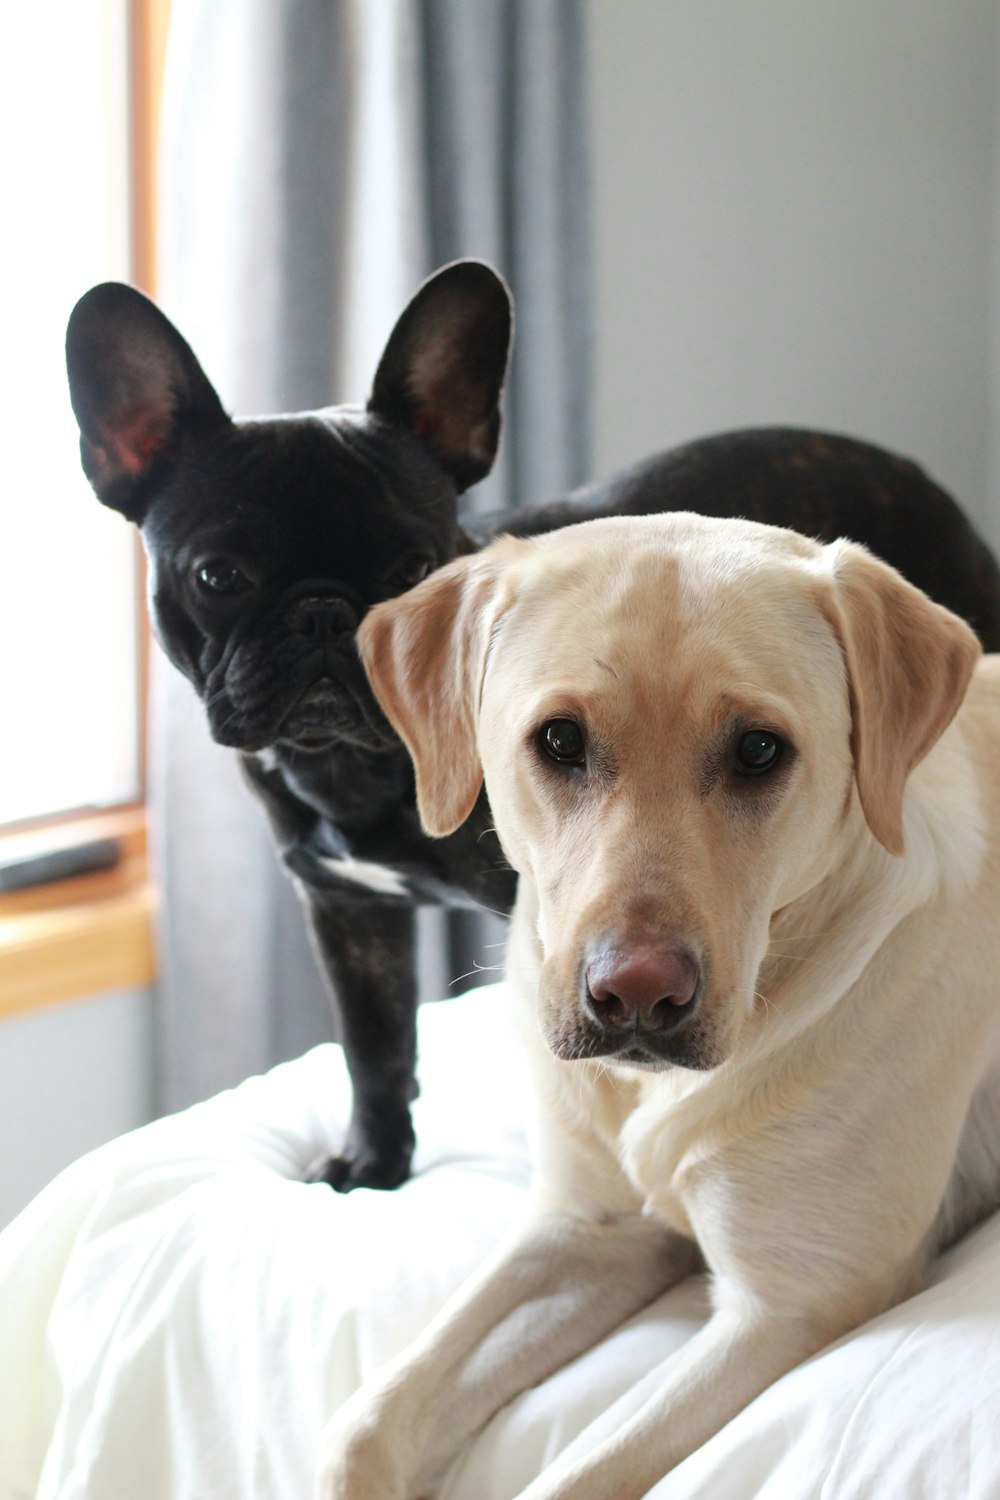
{"x": 640, "y": 986}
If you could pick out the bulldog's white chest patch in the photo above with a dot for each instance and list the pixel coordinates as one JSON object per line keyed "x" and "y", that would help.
{"x": 371, "y": 876}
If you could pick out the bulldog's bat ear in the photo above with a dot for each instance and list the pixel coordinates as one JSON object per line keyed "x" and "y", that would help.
{"x": 136, "y": 390}
{"x": 425, "y": 655}
{"x": 443, "y": 368}
{"x": 908, "y": 666}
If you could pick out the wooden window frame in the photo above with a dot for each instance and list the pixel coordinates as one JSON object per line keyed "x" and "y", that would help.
{"x": 85, "y": 936}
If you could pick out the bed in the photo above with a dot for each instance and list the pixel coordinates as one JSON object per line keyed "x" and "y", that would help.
{"x": 180, "y": 1311}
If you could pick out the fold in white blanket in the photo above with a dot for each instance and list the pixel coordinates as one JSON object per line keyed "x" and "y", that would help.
{"x": 180, "y": 1313}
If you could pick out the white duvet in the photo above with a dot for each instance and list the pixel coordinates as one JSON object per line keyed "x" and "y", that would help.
{"x": 180, "y": 1312}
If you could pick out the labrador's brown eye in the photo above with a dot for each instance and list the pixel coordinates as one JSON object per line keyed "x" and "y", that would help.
{"x": 757, "y": 752}
{"x": 563, "y": 741}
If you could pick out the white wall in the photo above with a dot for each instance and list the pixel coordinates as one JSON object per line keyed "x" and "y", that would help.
{"x": 71, "y": 1077}
{"x": 796, "y": 207}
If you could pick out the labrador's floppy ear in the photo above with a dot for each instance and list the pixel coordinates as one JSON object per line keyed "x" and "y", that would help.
{"x": 443, "y": 368}
{"x": 425, "y": 655}
{"x": 908, "y": 664}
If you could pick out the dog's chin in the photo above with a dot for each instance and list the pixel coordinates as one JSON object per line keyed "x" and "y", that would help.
{"x": 689, "y": 1047}
{"x": 324, "y": 715}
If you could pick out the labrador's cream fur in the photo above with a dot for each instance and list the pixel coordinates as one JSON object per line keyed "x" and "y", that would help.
{"x": 829, "y": 1114}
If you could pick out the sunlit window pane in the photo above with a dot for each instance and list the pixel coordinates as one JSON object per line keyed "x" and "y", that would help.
{"x": 67, "y": 576}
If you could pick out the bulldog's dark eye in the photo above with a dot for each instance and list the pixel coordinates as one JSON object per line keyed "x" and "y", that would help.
{"x": 758, "y": 751}
{"x": 409, "y": 572}
{"x": 220, "y": 577}
{"x": 563, "y": 741}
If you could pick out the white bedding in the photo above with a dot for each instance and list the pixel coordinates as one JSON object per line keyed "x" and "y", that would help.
{"x": 179, "y": 1313}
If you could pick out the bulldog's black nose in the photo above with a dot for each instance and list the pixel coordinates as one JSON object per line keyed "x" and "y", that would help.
{"x": 640, "y": 986}
{"x": 321, "y": 618}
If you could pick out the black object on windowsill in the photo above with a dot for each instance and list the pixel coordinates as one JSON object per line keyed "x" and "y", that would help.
{"x": 19, "y": 873}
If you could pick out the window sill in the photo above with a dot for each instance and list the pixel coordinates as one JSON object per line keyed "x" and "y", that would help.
{"x": 79, "y": 937}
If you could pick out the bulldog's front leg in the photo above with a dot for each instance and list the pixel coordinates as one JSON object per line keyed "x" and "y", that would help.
{"x": 561, "y": 1284}
{"x": 365, "y": 943}
{"x": 367, "y": 951}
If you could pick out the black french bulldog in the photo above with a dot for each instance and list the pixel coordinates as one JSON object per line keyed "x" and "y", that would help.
{"x": 269, "y": 540}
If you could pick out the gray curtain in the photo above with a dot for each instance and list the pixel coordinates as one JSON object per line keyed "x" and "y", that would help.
{"x": 320, "y": 157}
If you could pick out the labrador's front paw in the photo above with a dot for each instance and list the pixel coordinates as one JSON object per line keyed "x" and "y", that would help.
{"x": 355, "y": 1463}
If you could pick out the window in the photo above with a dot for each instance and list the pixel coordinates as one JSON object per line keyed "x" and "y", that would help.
{"x": 68, "y": 575}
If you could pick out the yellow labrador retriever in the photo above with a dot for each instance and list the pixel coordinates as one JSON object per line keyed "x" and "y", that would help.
{"x": 751, "y": 786}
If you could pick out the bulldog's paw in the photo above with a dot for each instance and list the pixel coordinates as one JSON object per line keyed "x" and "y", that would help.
{"x": 369, "y": 1169}
{"x": 376, "y": 1154}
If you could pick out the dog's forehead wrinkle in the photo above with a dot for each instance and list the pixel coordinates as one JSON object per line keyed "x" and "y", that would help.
{"x": 673, "y": 699}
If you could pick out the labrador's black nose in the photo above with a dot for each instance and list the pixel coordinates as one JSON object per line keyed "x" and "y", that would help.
{"x": 641, "y": 986}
